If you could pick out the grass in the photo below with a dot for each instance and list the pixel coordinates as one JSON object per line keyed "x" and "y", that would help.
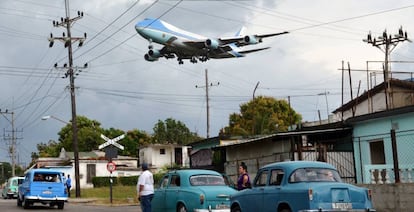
{"x": 120, "y": 194}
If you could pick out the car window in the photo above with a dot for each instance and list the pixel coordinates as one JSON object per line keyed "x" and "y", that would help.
{"x": 47, "y": 177}
{"x": 261, "y": 178}
{"x": 20, "y": 180}
{"x": 314, "y": 175}
{"x": 14, "y": 182}
{"x": 164, "y": 182}
{"x": 276, "y": 177}
{"x": 175, "y": 181}
{"x": 207, "y": 180}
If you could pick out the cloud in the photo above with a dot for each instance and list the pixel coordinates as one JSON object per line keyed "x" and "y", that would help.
{"x": 122, "y": 90}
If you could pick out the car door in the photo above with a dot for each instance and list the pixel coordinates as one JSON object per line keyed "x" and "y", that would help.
{"x": 172, "y": 192}
{"x": 255, "y": 194}
{"x": 158, "y": 201}
{"x": 271, "y": 192}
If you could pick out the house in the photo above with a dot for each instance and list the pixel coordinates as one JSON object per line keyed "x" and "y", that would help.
{"x": 91, "y": 164}
{"x": 384, "y": 142}
{"x": 160, "y": 155}
{"x": 400, "y": 94}
{"x": 202, "y": 155}
{"x": 331, "y": 143}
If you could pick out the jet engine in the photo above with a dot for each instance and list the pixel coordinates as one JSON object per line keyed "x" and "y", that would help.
{"x": 211, "y": 44}
{"x": 152, "y": 55}
{"x": 251, "y": 39}
{"x": 147, "y": 57}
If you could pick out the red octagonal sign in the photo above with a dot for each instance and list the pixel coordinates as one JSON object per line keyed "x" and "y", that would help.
{"x": 111, "y": 166}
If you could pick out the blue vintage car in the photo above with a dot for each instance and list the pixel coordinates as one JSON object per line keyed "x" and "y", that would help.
{"x": 301, "y": 186}
{"x": 44, "y": 186}
{"x": 192, "y": 190}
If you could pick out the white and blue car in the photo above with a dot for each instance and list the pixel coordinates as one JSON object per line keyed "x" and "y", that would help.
{"x": 44, "y": 186}
{"x": 301, "y": 186}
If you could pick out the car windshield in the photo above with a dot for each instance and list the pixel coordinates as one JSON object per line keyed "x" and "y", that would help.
{"x": 206, "y": 180}
{"x": 314, "y": 175}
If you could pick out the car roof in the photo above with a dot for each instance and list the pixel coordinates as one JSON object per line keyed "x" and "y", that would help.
{"x": 45, "y": 171}
{"x": 16, "y": 177}
{"x": 292, "y": 165}
{"x": 189, "y": 172}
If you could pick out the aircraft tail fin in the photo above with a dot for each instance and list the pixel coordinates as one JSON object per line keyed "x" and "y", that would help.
{"x": 241, "y": 32}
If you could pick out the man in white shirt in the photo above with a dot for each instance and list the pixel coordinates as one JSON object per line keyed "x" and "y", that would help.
{"x": 145, "y": 188}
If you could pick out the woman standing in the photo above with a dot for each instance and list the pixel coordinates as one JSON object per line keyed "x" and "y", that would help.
{"x": 244, "y": 180}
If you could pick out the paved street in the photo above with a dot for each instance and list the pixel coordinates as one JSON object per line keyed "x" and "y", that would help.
{"x": 9, "y": 205}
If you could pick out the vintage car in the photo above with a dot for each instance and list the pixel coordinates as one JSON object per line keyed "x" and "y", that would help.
{"x": 301, "y": 186}
{"x": 44, "y": 186}
{"x": 192, "y": 190}
{"x": 10, "y": 188}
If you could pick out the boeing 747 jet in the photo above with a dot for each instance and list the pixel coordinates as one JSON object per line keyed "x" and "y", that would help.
{"x": 181, "y": 44}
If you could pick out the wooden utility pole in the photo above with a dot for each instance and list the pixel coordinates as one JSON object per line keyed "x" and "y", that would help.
{"x": 207, "y": 100}
{"x": 387, "y": 44}
{"x": 67, "y": 23}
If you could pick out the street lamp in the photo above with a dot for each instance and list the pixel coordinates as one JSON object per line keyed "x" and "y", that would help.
{"x": 75, "y": 150}
{"x": 53, "y": 117}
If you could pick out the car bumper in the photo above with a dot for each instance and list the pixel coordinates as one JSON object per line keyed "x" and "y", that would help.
{"x": 39, "y": 198}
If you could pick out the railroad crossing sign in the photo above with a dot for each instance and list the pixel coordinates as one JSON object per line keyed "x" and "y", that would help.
{"x": 111, "y": 166}
{"x": 112, "y": 142}
{"x": 111, "y": 146}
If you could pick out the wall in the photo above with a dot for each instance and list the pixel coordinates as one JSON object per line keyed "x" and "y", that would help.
{"x": 255, "y": 155}
{"x": 379, "y": 129}
{"x": 392, "y": 197}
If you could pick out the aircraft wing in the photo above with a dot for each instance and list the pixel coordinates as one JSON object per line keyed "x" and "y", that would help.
{"x": 248, "y": 39}
{"x": 253, "y": 50}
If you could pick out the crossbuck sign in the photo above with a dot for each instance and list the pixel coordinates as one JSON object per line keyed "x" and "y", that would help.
{"x": 112, "y": 142}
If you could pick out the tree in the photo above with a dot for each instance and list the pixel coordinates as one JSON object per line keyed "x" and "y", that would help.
{"x": 88, "y": 135}
{"x": 172, "y": 131}
{"x": 262, "y": 115}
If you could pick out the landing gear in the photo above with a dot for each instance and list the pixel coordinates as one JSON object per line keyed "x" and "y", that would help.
{"x": 180, "y": 61}
{"x": 150, "y": 46}
{"x": 203, "y": 58}
{"x": 193, "y": 60}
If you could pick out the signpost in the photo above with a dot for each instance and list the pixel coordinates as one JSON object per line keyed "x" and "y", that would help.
{"x": 111, "y": 152}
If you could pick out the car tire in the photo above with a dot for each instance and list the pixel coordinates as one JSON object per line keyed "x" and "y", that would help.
{"x": 61, "y": 205}
{"x": 19, "y": 202}
{"x": 181, "y": 208}
{"x": 236, "y": 209}
{"x": 25, "y": 203}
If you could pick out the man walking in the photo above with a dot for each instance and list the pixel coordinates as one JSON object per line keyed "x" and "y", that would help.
{"x": 68, "y": 184}
{"x": 145, "y": 188}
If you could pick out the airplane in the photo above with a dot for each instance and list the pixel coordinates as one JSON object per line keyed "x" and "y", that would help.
{"x": 181, "y": 44}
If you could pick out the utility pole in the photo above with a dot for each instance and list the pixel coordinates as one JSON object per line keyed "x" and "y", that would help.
{"x": 12, "y": 138}
{"x": 207, "y": 100}
{"x": 387, "y": 43}
{"x": 68, "y": 40}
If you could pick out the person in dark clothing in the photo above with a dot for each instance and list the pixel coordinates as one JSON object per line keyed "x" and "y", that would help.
{"x": 244, "y": 180}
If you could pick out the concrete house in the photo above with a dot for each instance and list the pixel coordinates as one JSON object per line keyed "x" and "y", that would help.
{"x": 399, "y": 94}
{"x": 384, "y": 142}
{"x": 160, "y": 155}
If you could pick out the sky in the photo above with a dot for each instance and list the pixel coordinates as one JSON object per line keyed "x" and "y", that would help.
{"x": 122, "y": 90}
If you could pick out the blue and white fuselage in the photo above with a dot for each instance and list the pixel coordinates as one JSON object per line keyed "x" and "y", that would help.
{"x": 186, "y": 45}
